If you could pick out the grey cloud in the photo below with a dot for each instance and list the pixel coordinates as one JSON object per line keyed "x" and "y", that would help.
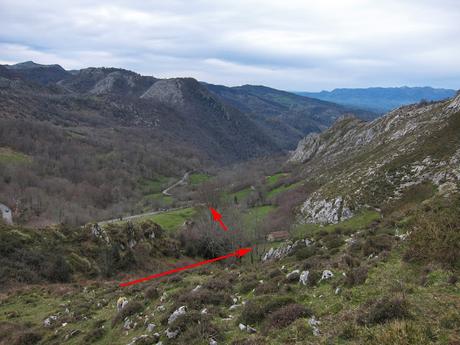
{"x": 292, "y": 45}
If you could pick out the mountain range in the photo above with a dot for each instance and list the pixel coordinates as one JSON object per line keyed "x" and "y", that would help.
{"x": 381, "y": 99}
{"x": 224, "y": 123}
{"x": 85, "y": 144}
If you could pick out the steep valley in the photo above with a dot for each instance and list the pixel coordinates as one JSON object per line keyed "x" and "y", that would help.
{"x": 354, "y": 234}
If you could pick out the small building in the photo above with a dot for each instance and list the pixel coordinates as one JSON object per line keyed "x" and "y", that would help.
{"x": 6, "y": 214}
{"x": 277, "y": 236}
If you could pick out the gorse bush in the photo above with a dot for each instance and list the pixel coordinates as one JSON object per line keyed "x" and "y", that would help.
{"x": 435, "y": 233}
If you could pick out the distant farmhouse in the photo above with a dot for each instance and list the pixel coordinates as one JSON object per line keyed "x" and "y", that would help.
{"x": 277, "y": 236}
{"x": 7, "y": 216}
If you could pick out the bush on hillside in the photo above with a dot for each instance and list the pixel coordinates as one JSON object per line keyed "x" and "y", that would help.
{"x": 356, "y": 276}
{"x": 383, "y": 310}
{"x": 131, "y": 308}
{"x": 435, "y": 234}
{"x": 259, "y": 308}
{"x": 287, "y": 315}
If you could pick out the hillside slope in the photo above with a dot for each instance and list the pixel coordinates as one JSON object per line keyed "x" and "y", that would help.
{"x": 374, "y": 163}
{"x": 284, "y": 115}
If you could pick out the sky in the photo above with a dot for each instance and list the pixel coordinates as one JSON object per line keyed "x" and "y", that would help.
{"x": 291, "y": 45}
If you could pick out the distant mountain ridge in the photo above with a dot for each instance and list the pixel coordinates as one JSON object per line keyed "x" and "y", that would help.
{"x": 285, "y": 116}
{"x": 381, "y": 99}
{"x": 277, "y": 119}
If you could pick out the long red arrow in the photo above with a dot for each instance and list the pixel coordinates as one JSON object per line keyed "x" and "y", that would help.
{"x": 218, "y": 218}
{"x": 237, "y": 253}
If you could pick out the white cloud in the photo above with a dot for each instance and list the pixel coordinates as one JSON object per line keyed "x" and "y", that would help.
{"x": 296, "y": 44}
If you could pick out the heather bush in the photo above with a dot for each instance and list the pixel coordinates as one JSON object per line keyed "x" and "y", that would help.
{"x": 288, "y": 314}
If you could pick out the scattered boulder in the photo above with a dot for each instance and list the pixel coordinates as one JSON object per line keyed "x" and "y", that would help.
{"x": 212, "y": 342}
{"x": 327, "y": 275}
{"x": 196, "y": 288}
{"x": 141, "y": 339}
{"x": 181, "y": 311}
{"x": 150, "y": 327}
{"x": 171, "y": 334}
{"x": 314, "y": 325}
{"x": 121, "y": 303}
{"x": 242, "y": 327}
{"x": 293, "y": 276}
{"x": 304, "y": 277}
{"x": 234, "y": 306}
{"x": 50, "y": 321}
{"x": 250, "y": 330}
{"x": 128, "y": 324}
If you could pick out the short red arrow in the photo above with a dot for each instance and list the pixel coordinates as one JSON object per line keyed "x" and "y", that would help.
{"x": 237, "y": 253}
{"x": 218, "y": 218}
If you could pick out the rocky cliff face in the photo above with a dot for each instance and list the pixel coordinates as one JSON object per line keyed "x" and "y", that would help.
{"x": 361, "y": 163}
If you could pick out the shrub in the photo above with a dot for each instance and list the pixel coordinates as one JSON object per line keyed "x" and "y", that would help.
{"x": 304, "y": 253}
{"x": 377, "y": 243}
{"x": 288, "y": 314}
{"x": 197, "y": 299}
{"x": 131, "y": 308}
{"x": 356, "y": 276}
{"x": 350, "y": 261}
{"x": 383, "y": 310}
{"x": 151, "y": 292}
{"x": 434, "y": 234}
{"x": 94, "y": 335}
{"x": 313, "y": 278}
{"x": 259, "y": 308}
{"x": 333, "y": 240}
{"x": 249, "y": 284}
{"x": 349, "y": 331}
{"x": 27, "y": 338}
{"x": 268, "y": 287}
{"x": 59, "y": 270}
{"x": 194, "y": 327}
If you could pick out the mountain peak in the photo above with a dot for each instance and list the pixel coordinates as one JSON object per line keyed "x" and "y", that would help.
{"x": 31, "y": 65}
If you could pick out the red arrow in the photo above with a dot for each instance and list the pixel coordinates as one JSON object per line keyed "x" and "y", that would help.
{"x": 237, "y": 253}
{"x": 218, "y": 218}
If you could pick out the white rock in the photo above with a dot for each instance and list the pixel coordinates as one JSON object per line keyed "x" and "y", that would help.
{"x": 150, "y": 327}
{"x": 180, "y": 311}
{"x": 250, "y": 330}
{"x": 234, "y": 306}
{"x": 136, "y": 339}
{"x": 327, "y": 275}
{"x": 314, "y": 325}
{"x": 128, "y": 324}
{"x": 293, "y": 275}
{"x": 204, "y": 311}
{"x": 171, "y": 334}
{"x": 212, "y": 342}
{"x": 304, "y": 277}
{"x": 48, "y": 322}
{"x": 196, "y": 288}
{"x": 242, "y": 327}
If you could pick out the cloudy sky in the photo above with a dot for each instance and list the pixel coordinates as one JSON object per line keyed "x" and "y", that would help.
{"x": 290, "y": 44}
